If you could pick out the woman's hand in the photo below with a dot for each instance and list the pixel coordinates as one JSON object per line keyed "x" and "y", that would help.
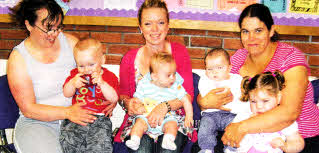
{"x": 277, "y": 143}
{"x": 109, "y": 109}
{"x": 233, "y": 135}
{"x": 157, "y": 115}
{"x": 78, "y": 115}
{"x": 189, "y": 122}
{"x": 215, "y": 99}
{"x": 134, "y": 106}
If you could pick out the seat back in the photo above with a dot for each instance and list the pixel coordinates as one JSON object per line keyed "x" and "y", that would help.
{"x": 9, "y": 111}
{"x": 315, "y": 84}
{"x": 196, "y": 109}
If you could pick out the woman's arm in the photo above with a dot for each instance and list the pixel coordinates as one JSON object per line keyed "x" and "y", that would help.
{"x": 127, "y": 85}
{"x": 134, "y": 106}
{"x": 21, "y": 87}
{"x": 294, "y": 143}
{"x": 188, "y": 111}
{"x": 278, "y": 118}
{"x": 22, "y": 90}
{"x": 184, "y": 67}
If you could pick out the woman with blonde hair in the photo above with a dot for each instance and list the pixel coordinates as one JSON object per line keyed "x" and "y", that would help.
{"x": 153, "y": 21}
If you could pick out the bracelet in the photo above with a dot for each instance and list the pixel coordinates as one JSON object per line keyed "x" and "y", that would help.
{"x": 122, "y": 104}
{"x": 168, "y": 106}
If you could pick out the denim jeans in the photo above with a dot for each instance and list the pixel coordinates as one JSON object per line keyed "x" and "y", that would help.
{"x": 148, "y": 145}
{"x": 210, "y": 123}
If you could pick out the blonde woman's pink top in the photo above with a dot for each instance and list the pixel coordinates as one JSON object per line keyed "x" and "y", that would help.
{"x": 127, "y": 74}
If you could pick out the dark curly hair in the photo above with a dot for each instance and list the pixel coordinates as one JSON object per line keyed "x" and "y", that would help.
{"x": 27, "y": 10}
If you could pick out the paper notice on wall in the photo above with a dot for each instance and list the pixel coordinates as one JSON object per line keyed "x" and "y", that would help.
{"x": 9, "y": 3}
{"x": 276, "y": 6}
{"x": 173, "y": 4}
{"x": 304, "y": 6}
{"x": 86, "y": 4}
{"x": 202, "y": 4}
{"x": 234, "y": 5}
{"x": 305, "y": 3}
{"x": 120, "y": 4}
{"x": 63, "y": 5}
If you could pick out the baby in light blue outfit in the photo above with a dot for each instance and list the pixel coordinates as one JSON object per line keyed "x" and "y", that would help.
{"x": 161, "y": 85}
{"x": 152, "y": 95}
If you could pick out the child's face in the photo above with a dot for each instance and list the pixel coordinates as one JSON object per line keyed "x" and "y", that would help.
{"x": 165, "y": 75}
{"x": 217, "y": 68}
{"x": 88, "y": 61}
{"x": 261, "y": 101}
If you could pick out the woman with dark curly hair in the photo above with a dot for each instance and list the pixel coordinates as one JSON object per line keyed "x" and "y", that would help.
{"x": 37, "y": 68}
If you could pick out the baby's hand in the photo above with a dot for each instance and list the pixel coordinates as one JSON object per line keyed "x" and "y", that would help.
{"x": 189, "y": 122}
{"x": 277, "y": 143}
{"x": 97, "y": 78}
{"x": 78, "y": 81}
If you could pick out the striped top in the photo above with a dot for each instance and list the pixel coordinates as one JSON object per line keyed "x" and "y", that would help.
{"x": 286, "y": 57}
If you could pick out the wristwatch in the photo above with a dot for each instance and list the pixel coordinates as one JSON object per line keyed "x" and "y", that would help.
{"x": 122, "y": 104}
{"x": 168, "y": 106}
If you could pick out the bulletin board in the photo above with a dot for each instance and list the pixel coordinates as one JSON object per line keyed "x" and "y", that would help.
{"x": 296, "y": 17}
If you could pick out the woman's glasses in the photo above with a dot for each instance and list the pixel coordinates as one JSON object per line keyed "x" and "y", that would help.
{"x": 52, "y": 31}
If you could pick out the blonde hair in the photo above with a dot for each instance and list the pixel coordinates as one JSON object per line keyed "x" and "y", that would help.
{"x": 271, "y": 82}
{"x": 160, "y": 58}
{"x": 152, "y": 4}
{"x": 90, "y": 44}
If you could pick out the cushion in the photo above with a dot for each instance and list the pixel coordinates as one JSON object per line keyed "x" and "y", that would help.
{"x": 196, "y": 109}
{"x": 9, "y": 111}
{"x": 315, "y": 84}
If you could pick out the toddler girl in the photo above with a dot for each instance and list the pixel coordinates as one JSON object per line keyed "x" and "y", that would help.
{"x": 264, "y": 93}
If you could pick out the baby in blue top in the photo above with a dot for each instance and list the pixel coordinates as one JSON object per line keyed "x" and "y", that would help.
{"x": 161, "y": 85}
